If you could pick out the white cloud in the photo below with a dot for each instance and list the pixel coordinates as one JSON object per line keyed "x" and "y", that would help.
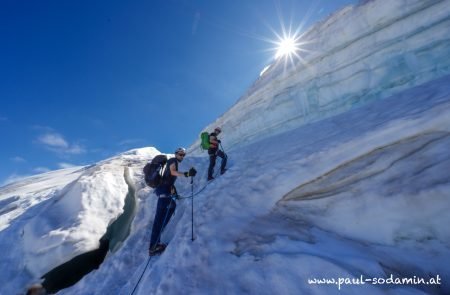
{"x": 18, "y": 159}
{"x": 55, "y": 142}
{"x": 65, "y": 165}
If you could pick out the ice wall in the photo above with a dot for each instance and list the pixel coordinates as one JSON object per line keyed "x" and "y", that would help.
{"x": 357, "y": 55}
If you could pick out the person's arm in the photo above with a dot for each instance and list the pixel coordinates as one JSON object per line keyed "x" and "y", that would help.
{"x": 174, "y": 172}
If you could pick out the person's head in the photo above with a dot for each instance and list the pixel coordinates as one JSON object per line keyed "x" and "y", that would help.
{"x": 217, "y": 130}
{"x": 180, "y": 153}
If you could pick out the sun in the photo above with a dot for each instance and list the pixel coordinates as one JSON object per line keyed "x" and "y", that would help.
{"x": 290, "y": 49}
{"x": 286, "y": 47}
{"x": 291, "y": 45}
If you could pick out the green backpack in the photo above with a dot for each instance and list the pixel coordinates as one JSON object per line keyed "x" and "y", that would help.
{"x": 204, "y": 140}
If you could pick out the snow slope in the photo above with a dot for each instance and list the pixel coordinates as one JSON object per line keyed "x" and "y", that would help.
{"x": 19, "y": 197}
{"x": 341, "y": 171}
{"x": 341, "y": 200}
{"x": 51, "y": 218}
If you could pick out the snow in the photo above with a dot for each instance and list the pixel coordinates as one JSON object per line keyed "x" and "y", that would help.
{"x": 359, "y": 54}
{"x": 338, "y": 170}
{"x": 18, "y": 197}
{"x": 339, "y": 202}
{"x": 50, "y": 218}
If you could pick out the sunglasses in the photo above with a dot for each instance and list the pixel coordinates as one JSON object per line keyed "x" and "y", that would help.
{"x": 181, "y": 155}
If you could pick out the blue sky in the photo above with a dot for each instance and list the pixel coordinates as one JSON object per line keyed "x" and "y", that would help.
{"x": 81, "y": 81}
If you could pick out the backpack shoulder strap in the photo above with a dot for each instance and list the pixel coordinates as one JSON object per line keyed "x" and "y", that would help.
{"x": 166, "y": 168}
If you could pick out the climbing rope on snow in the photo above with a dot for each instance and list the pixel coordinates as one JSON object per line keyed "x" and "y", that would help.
{"x": 194, "y": 194}
{"x": 159, "y": 236}
{"x": 190, "y": 197}
{"x": 199, "y": 191}
{"x": 140, "y": 278}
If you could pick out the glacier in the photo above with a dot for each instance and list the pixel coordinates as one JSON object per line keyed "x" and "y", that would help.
{"x": 338, "y": 171}
{"x": 359, "y": 54}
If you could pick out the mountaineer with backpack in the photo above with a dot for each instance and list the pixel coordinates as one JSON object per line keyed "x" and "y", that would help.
{"x": 167, "y": 194}
{"x": 211, "y": 142}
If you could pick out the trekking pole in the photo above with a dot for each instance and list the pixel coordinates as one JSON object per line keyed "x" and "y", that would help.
{"x": 222, "y": 148}
{"x": 192, "y": 207}
{"x": 226, "y": 156}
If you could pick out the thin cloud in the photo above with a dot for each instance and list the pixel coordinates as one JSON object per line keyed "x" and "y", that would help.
{"x": 196, "y": 22}
{"x": 128, "y": 142}
{"x": 66, "y": 165}
{"x": 18, "y": 159}
{"x": 13, "y": 178}
{"x": 41, "y": 169}
{"x": 53, "y": 140}
{"x": 75, "y": 149}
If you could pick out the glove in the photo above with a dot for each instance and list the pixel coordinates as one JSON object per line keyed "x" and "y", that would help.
{"x": 219, "y": 141}
{"x": 186, "y": 173}
{"x": 192, "y": 171}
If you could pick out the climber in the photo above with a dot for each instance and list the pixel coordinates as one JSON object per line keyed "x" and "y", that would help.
{"x": 167, "y": 194}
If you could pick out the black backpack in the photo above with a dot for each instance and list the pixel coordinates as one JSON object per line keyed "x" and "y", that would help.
{"x": 152, "y": 171}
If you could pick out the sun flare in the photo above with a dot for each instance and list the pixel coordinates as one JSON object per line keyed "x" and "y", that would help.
{"x": 286, "y": 47}
{"x": 290, "y": 47}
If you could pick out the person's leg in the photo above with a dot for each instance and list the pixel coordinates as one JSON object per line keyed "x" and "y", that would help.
{"x": 212, "y": 163}
{"x": 224, "y": 160}
{"x": 170, "y": 210}
{"x": 161, "y": 211}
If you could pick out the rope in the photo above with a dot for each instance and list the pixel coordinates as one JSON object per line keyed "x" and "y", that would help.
{"x": 160, "y": 233}
{"x": 167, "y": 213}
{"x": 148, "y": 261}
{"x": 202, "y": 189}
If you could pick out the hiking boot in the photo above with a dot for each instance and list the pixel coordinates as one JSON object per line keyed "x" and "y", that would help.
{"x": 223, "y": 171}
{"x": 210, "y": 178}
{"x": 157, "y": 249}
